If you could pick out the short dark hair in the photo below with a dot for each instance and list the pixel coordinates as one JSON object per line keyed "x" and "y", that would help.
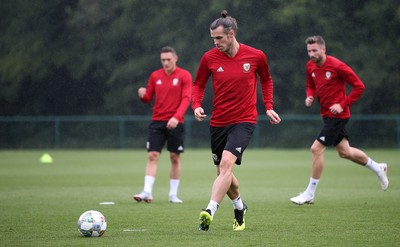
{"x": 228, "y": 22}
{"x": 166, "y": 49}
{"x": 316, "y": 39}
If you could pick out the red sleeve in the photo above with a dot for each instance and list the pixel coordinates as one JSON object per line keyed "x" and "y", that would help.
{"x": 267, "y": 86}
{"x": 185, "y": 98}
{"x": 150, "y": 90}
{"x": 358, "y": 87}
{"x": 310, "y": 86}
{"x": 199, "y": 84}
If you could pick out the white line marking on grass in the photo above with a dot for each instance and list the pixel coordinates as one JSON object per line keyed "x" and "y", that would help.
{"x": 106, "y": 203}
{"x": 134, "y": 230}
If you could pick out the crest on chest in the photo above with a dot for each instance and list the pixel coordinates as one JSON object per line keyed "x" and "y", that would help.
{"x": 327, "y": 75}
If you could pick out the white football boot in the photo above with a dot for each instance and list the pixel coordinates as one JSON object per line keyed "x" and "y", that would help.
{"x": 303, "y": 198}
{"x": 174, "y": 199}
{"x": 382, "y": 176}
{"x": 143, "y": 196}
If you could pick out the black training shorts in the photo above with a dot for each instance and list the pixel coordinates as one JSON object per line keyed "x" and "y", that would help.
{"x": 159, "y": 134}
{"x": 333, "y": 132}
{"x": 233, "y": 138}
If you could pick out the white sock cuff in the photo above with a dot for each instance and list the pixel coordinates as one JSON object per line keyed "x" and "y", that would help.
{"x": 314, "y": 181}
{"x": 236, "y": 199}
{"x": 173, "y": 186}
{"x": 213, "y": 206}
{"x": 312, "y": 186}
{"x": 149, "y": 178}
{"x": 238, "y": 203}
{"x": 372, "y": 165}
{"x": 148, "y": 184}
{"x": 214, "y": 203}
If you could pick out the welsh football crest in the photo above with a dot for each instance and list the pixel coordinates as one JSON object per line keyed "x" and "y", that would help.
{"x": 328, "y": 75}
{"x": 246, "y": 67}
{"x": 175, "y": 81}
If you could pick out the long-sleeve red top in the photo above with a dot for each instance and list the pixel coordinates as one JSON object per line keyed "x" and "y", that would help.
{"x": 234, "y": 81}
{"x": 328, "y": 84}
{"x": 172, "y": 94}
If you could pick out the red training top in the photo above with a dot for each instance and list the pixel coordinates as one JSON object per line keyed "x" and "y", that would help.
{"x": 328, "y": 83}
{"x": 235, "y": 85}
{"x": 172, "y": 94}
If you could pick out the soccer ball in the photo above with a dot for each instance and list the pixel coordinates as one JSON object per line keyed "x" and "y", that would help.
{"x": 92, "y": 223}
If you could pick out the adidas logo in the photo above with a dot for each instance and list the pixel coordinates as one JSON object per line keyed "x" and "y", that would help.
{"x": 159, "y": 82}
{"x": 220, "y": 69}
{"x": 322, "y": 138}
{"x": 239, "y": 149}
{"x": 180, "y": 148}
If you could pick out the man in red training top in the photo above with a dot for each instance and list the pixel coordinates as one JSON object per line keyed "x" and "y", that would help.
{"x": 326, "y": 79}
{"x": 172, "y": 87}
{"x": 234, "y": 68}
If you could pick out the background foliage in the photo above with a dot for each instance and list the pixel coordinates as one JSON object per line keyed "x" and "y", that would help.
{"x": 77, "y": 57}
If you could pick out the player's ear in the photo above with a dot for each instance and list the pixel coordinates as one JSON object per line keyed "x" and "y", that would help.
{"x": 231, "y": 33}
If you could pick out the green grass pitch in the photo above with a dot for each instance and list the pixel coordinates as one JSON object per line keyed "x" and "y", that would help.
{"x": 40, "y": 203}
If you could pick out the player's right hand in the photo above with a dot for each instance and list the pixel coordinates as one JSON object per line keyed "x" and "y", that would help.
{"x": 309, "y": 100}
{"x": 141, "y": 92}
{"x": 273, "y": 117}
{"x": 199, "y": 114}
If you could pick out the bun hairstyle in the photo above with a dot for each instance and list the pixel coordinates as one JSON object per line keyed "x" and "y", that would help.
{"x": 224, "y": 13}
{"x": 228, "y": 22}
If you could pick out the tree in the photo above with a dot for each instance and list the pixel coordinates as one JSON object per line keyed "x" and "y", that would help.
{"x": 78, "y": 57}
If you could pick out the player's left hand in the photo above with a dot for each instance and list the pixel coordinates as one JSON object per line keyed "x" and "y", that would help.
{"x": 336, "y": 109}
{"x": 273, "y": 117}
{"x": 172, "y": 123}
